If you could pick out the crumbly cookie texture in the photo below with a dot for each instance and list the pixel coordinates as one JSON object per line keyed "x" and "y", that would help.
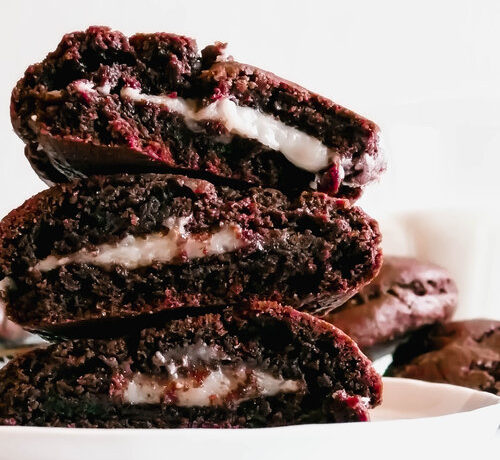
{"x": 105, "y": 103}
{"x": 109, "y": 247}
{"x": 256, "y": 366}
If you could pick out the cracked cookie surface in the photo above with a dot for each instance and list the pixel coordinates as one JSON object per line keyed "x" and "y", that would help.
{"x": 465, "y": 353}
{"x": 405, "y": 295}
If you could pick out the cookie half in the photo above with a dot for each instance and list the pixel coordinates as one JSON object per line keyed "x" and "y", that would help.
{"x": 465, "y": 353}
{"x": 406, "y": 295}
{"x": 258, "y": 366}
{"x": 110, "y": 247}
{"x": 104, "y": 103}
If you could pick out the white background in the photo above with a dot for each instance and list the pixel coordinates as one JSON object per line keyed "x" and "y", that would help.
{"x": 428, "y": 72}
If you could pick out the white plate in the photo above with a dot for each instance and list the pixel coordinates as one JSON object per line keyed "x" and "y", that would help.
{"x": 412, "y": 410}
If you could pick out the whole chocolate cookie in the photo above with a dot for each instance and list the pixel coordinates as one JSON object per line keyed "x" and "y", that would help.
{"x": 405, "y": 295}
{"x": 105, "y": 103}
{"x": 465, "y": 353}
{"x": 249, "y": 366}
{"x": 109, "y": 247}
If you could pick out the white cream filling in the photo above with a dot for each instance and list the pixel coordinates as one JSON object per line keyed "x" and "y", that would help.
{"x": 84, "y": 86}
{"x": 141, "y": 251}
{"x": 301, "y": 149}
{"x": 187, "y": 355}
{"x": 104, "y": 89}
{"x": 213, "y": 390}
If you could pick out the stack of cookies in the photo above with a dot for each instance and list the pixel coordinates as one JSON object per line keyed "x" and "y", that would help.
{"x": 200, "y": 221}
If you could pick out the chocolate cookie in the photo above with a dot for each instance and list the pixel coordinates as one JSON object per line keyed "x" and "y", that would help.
{"x": 263, "y": 365}
{"x": 116, "y": 246}
{"x": 465, "y": 353}
{"x": 405, "y": 295}
{"x": 104, "y": 103}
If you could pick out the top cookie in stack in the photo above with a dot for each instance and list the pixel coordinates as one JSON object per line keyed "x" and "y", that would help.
{"x": 115, "y": 255}
{"x": 103, "y": 103}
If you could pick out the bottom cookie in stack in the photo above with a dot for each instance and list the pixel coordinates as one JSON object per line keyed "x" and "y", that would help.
{"x": 252, "y": 366}
{"x": 465, "y": 353}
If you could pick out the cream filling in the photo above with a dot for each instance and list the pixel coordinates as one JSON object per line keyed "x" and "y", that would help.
{"x": 222, "y": 383}
{"x": 301, "y": 149}
{"x": 218, "y": 385}
{"x": 141, "y": 251}
{"x": 187, "y": 356}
